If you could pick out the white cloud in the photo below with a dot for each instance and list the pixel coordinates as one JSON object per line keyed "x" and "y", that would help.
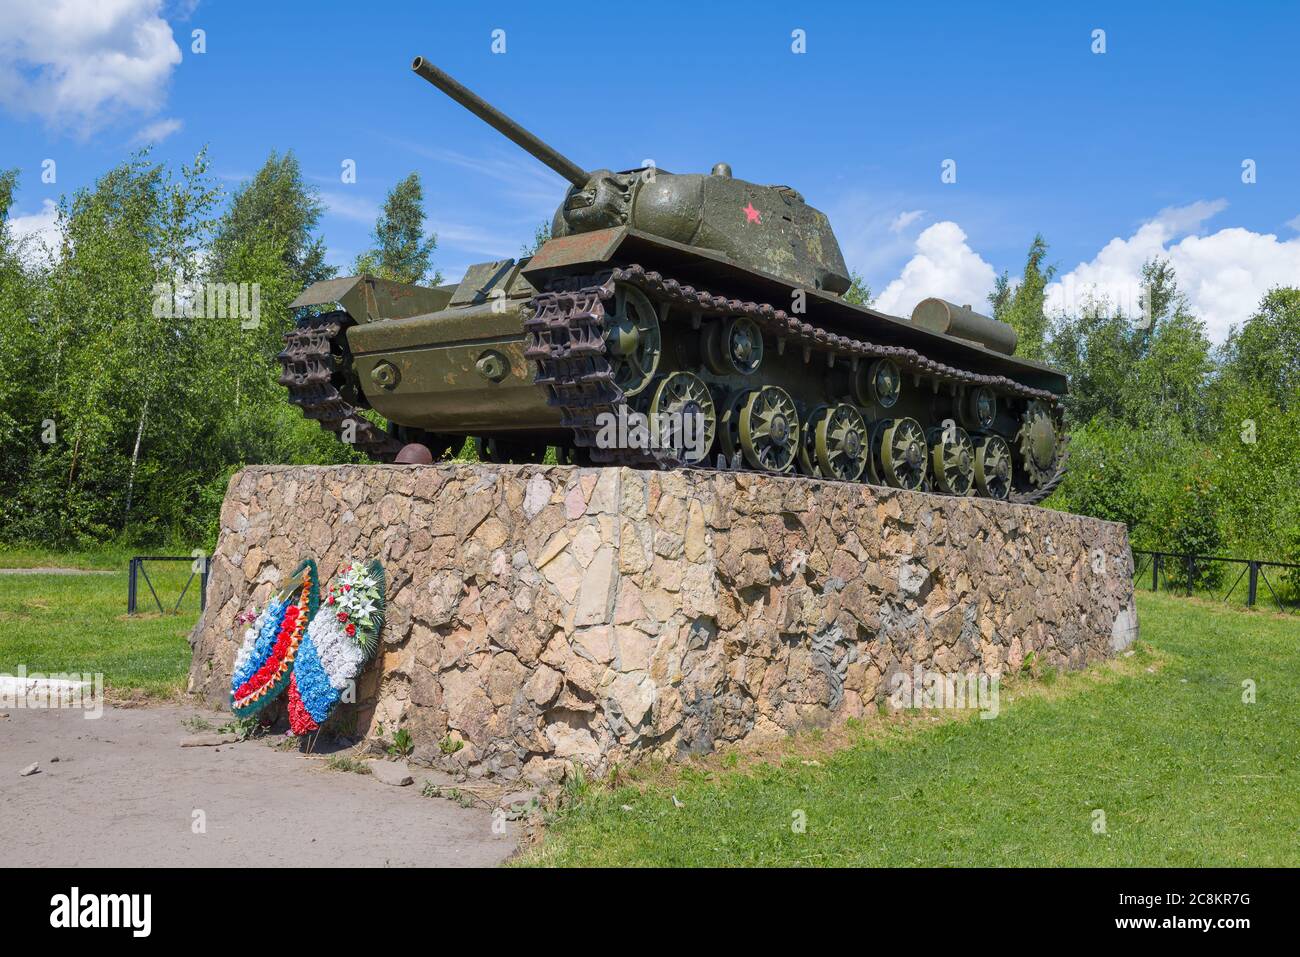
{"x": 356, "y": 208}
{"x": 81, "y": 63}
{"x": 903, "y": 220}
{"x": 874, "y": 232}
{"x": 158, "y": 131}
{"x": 473, "y": 239}
{"x": 40, "y": 224}
{"x": 182, "y": 9}
{"x": 944, "y": 266}
{"x": 1176, "y": 220}
{"x": 39, "y": 229}
{"x": 1294, "y": 223}
{"x": 1224, "y": 274}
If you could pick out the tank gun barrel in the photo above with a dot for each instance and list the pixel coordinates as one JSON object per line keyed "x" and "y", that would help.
{"x": 503, "y": 124}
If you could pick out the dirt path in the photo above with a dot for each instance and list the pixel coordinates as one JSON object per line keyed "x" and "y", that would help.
{"x": 124, "y": 793}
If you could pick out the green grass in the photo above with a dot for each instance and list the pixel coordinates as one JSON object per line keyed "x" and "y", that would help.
{"x": 108, "y": 557}
{"x": 1186, "y": 773}
{"x": 342, "y": 762}
{"x": 31, "y": 556}
{"x": 1276, "y": 587}
{"x": 78, "y": 623}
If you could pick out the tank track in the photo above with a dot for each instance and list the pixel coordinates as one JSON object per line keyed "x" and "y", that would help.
{"x": 566, "y": 341}
{"x": 308, "y": 359}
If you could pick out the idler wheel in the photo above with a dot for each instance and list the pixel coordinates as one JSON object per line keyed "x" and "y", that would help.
{"x": 952, "y": 460}
{"x": 899, "y": 448}
{"x": 993, "y": 467}
{"x": 633, "y": 339}
{"x": 1037, "y": 444}
{"x": 764, "y": 425}
{"x": 835, "y": 443}
{"x": 683, "y": 416}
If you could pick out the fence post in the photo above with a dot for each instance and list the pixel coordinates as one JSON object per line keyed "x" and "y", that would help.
{"x": 130, "y": 588}
{"x": 203, "y": 585}
{"x": 1254, "y": 584}
{"x": 1155, "y": 571}
{"x": 1191, "y": 574}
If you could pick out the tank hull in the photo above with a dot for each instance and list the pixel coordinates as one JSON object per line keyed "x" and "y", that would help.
{"x": 436, "y": 355}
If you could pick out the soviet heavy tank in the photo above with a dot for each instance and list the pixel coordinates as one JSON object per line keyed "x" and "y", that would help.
{"x": 668, "y": 299}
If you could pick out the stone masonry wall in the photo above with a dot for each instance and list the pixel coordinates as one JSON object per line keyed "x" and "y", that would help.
{"x": 550, "y": 614}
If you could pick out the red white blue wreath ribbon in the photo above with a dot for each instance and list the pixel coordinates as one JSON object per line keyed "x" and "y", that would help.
{"x": 314, "y": 647}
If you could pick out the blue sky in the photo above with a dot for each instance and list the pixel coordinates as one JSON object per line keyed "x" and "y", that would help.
{"x": 1113, "y": 156}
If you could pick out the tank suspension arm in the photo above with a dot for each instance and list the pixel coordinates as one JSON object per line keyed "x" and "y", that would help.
{"x": 503, "y": 124}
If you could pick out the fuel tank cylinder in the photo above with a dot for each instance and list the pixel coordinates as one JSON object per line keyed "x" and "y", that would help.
{"x": 963, "y": 322}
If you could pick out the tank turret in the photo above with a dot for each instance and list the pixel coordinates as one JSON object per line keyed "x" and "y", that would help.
{"x": 714, "y": 211}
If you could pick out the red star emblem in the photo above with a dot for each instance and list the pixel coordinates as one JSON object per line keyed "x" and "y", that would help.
{"x": 751, "y": 214}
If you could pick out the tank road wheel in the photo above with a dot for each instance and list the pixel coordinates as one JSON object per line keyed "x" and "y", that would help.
{"x": 878, "y": 383}
{"x": 683, "y": 416}
{"x": 1037, "y": 444}
{"x": 632, "y": 336}
{"x": 834, "y": 443}
{"x": 898, "y": 445}
{"x": 807, "y": 442}
{"x": 993, "y": 467}
{"x": 952, "y": 460}
{"x": 733, "y": 346}
{"x": 763, "y": 424}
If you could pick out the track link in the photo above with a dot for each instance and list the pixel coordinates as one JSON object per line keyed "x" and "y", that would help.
{"x": 566, "y": 341}
{"x": 312, "y": 350}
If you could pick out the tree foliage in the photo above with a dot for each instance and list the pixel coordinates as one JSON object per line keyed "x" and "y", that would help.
{"x": 1194, "y": 451}
{"x": 125, "y": 406}
{"x": 859, "y": 293}
{"x": 277, "y": 208}
{"x": 1022, "y": 305}
{"x": 541, "y": 235}
{"x": 401, "y": 251}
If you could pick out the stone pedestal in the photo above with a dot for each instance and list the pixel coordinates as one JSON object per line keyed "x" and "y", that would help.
{"x": 549, "y": 614}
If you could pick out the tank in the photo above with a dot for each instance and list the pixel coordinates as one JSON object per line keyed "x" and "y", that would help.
{"x": 676, "y": 320}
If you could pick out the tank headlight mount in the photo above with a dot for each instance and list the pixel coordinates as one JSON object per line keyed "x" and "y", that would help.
{"x": 385, "y": 375}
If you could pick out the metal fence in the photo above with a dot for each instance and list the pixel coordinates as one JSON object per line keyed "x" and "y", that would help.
{"x": 198, "y": 568}
{"x": 1208, "y": 573}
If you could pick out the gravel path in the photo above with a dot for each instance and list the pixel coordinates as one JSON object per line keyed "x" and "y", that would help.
{"x": 124, "y": 793}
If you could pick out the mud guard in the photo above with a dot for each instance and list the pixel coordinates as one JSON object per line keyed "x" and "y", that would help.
{"x": 369, "y": 298}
